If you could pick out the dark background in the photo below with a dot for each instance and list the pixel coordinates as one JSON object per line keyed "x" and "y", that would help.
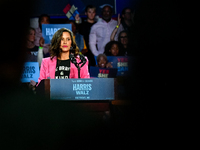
{"x": 157, "y": 88}
{"x": 55, "y": 7}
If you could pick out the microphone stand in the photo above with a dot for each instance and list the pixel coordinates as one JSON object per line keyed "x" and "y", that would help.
{"x": 73, "y": 60}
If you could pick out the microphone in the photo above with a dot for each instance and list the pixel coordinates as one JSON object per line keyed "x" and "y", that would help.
{"x": 73, "y": 60}
{"x": 83, "y": 60}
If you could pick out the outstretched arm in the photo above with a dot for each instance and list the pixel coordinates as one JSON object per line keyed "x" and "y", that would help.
{"x": 78, "y": 19}
{"x": 112, "y": 37}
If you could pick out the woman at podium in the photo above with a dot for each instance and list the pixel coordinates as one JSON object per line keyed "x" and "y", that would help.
{"x": 65, "y": 60}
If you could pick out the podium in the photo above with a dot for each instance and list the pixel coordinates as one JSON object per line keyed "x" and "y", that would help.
{"x": 94, "y": 94}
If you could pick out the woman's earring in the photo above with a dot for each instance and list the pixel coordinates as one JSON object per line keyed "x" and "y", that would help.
{"x": 71, "y": 48}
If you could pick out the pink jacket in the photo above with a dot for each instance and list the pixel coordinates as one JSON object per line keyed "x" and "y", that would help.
{"x": 48, "y": 68}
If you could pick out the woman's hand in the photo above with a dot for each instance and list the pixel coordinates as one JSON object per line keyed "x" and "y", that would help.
{"x": 118, "y": 20}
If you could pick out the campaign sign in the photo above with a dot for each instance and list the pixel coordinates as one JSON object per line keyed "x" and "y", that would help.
{"x": 48, "y": 30}
{"x": 121, "y": 63}
{"x": 82, "y": 89}
{"x": 97, "y": 72}
{"x": 30, "y": 72}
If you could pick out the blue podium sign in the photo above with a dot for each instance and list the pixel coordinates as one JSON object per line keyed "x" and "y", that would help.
{"x": 48, "y": 30}
{"x": 30, "y": 72}
{"x": 82, "y": 89}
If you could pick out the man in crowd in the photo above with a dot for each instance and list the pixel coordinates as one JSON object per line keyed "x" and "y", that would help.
{"x": 101, "y": 31}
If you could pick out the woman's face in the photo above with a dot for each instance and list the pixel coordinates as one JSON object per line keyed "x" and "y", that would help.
{"x": 102, "y": 62}
{"x": 31, "y": 36}
{"x": 66, "y": 42}
{"x": 114, "y": 50}
{"x": 124, "y": 38}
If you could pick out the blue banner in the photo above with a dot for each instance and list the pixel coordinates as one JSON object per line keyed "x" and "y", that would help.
{"x": 48, "y": 30}
{"x": 82, "y": 89}
{"x": 97, "y": 72}
{"x": 30, "y": 72}
{"x": 122, "y": 64}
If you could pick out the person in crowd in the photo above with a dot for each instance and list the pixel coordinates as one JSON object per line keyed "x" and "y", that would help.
{"x": 59, "y": 66}
{"x": 123, "y": 38}
{"x": 101, "y": 31}
{"x": 84, "y": 29}
{"x": 34, "y": 53}
{"x": 124, "y": 24}
{"x": 127, "y": 19}
{"x": 39, "y": 40}
{"x": 79, "y": 38}
{"x": 102, "y": 61}
{"x": 113, "y": 48}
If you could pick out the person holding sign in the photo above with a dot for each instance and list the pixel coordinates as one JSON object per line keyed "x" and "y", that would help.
{"x": 34, "y": 53}
{"x": 103, "y": 69}
{"x": 102, "y": 61}
{"x": 65, "y": 60}
{"x": 39, "y": 40}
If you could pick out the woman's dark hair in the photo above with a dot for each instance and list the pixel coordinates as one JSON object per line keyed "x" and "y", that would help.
{"x": 56, "y": 40}
{"x": 119, "y": 36}
{"x": 109, "y": 45}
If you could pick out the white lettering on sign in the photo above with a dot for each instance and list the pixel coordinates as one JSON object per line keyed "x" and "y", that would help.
{"x": 82, "y": 89}
{"x": 101, "y": 75}
{"x": 51, "y": 31}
